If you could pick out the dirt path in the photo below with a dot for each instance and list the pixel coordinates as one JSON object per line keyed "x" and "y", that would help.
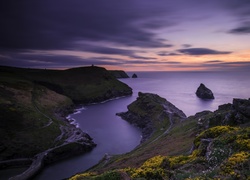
{"x": 170, "y": 117}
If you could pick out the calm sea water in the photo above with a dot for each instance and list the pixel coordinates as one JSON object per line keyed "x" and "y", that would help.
{"x": 179, "y": 87}
{"x": 114, "y": 135}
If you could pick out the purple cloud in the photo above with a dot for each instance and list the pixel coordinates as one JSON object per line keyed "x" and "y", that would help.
{"x": 202, "y": 51}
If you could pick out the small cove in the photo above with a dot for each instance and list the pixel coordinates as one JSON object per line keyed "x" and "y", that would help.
{"x": 111, "y": 134}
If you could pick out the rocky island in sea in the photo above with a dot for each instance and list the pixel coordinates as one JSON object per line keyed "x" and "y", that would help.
{"x": 33, "y": 107}
{"x": 134, "y": 76}
{"x": 204, "y": 93}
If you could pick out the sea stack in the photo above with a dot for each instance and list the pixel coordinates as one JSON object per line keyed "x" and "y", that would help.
{"x": 134, "y": 76}
{"x": 204, "y": 93}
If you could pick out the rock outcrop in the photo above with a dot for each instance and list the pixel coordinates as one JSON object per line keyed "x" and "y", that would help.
{"x": 134, "y": 76}
{"x": 149, "y": 111}
{"x": 233, "y": 114}
{"x": 204, "y": 93}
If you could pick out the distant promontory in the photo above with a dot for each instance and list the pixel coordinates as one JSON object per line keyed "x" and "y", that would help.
{"x": 119, "y": 74}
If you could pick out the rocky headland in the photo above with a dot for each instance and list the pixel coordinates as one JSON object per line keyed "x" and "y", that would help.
{"x": 119, "y": 74}
{"x": 149, "y": 111}
{"x": 204, "y": 93}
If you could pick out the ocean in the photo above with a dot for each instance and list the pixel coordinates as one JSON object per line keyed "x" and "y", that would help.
{"x": 115, "y": 136}
{"x": 179, "y": 87}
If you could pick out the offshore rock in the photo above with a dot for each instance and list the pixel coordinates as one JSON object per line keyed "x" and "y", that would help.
{"x": 134, "y": 76}
{"x": 204, "y": 93}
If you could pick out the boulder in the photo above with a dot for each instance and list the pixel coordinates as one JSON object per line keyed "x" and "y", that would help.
{"x": 204, "y": 93}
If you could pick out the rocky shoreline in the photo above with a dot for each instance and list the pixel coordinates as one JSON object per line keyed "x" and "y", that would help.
{"x": 75, "y": 142}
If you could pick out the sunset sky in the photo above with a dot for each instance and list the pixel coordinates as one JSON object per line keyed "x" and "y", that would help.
{"x": 132, "y": 35}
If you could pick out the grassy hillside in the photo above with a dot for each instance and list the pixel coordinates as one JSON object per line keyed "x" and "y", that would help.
{"x": 208, "y": 145}
{"x": 28, "y": 123}
{"x": 82, "y": 85}
{"x": 34, "y": 101}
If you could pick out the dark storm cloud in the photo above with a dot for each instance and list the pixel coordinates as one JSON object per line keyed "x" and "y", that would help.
{"x": 60, "y": 24}
{"x": 202, "y": 51}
